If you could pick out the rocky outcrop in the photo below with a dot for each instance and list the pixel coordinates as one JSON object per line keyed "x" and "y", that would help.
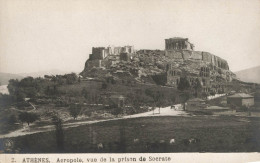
{"x": 164, "y": 67}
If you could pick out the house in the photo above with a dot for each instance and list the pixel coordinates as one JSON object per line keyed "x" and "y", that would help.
{"x": 240, "y": 99}
{"x": 195, "y": 104}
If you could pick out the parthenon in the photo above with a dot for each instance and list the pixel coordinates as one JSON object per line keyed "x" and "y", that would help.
{"x": 178, "y": 43}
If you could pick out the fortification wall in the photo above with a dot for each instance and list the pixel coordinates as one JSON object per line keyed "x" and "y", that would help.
{"x": 93, "y": 63}
{"x": 197, "y": 55}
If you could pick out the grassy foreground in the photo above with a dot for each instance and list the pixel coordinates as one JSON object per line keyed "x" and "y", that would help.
{"x": 152, "y": 134}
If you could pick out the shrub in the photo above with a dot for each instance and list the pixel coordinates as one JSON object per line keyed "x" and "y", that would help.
{"x": 28, "y": 117}
{"x": 75, "y": 110}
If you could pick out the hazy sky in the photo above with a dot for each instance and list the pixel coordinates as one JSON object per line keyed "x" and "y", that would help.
{"x": 38, "y": 35}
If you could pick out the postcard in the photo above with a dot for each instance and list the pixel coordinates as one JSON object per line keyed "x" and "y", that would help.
{"x": 129, "y": 81}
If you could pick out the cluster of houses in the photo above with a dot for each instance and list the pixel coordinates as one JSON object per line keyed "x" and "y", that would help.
{"x": 233, "y": 102}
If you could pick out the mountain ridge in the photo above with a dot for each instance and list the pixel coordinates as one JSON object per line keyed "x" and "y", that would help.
{"x": 249, "y": 75}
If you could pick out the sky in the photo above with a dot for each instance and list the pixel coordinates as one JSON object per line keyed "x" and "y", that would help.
{"x": 54, "y": 34}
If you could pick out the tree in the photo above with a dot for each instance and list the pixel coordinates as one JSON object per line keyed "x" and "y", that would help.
{"x": 122, "y": 133}
{"x": 184, "y": 84}
{"x": 59, "y": 133}
{"x": 148, "y": 92}
{"x": 5, "y": 100}
{"x": 12, "y": 119}
{"x": 134, "y": 100}
{"x": 116, "y": 110}
{"x": 212, "y": 92}
{"x": 12, "y": 86}
{"x": 71, "y": 78}
{"x": 157, "y": 96}
{"x": 104, "y": 86}
{"x": 28, "y": 117}
{"x": 19, "y": 95}
{"x": 27, "y": 82}
{"x": 159, "y": 99}
{"x": 197, "y": 87}
{"x": 75, "y": 110}
{"x": 205, "y": 95}
{"x": 184, "y": 98}
{"x": 51, "y": 90}
{"x": 113, "y": 81}
{"x": 84, "y": 92}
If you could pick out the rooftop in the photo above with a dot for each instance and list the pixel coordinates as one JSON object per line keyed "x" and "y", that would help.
{"x": 241, "y": 95}
{"x": 117, "y": 96}
{"x": 196, "y": 99}
{"x": 177, "y": 38}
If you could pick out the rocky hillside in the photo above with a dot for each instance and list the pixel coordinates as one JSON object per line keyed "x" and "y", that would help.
{"x": 145, "y": 64}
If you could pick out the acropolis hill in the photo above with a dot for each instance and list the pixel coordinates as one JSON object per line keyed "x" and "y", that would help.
{"x": 162, "y": 67}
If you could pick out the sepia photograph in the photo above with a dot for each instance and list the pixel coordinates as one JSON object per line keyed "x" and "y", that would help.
{"x": 130, "y": 76}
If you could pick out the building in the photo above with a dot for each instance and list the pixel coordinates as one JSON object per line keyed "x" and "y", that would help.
{"x": 240, "y": 99}
{"x": 100, "y": 53}
{"x": 172, "y": 75}
{"x": 195, "y": 104}
{"x": 178, "y": 43}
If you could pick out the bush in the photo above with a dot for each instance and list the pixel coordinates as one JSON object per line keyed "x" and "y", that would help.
{"x": 184, "y": 84}
{"x": 28, "y": 117}
{"x": 75, "y": 110}
{"x": 116, "y": 111}
{"x": 5, "y": 100}
{"x": 104, "y": 86}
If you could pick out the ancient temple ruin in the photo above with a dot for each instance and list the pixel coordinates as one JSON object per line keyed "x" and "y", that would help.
{"x": 100, "y": 53}
{"x": 178, "y": 43}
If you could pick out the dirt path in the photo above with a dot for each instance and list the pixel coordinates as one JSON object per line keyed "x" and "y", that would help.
{"x": 34, "y": 108}
{"x": 167, "y": 111}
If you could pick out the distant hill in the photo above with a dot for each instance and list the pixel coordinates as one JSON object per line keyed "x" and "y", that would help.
{"x": 5, "y": 77}
{"x": 42, "y": 73}
{"x": 249, "y": 75}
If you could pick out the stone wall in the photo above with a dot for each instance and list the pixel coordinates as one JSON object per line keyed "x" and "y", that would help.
{"x": 197, "y": 55}
{"x": 125, "y": 56}
{"x": 93, "y": 63}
